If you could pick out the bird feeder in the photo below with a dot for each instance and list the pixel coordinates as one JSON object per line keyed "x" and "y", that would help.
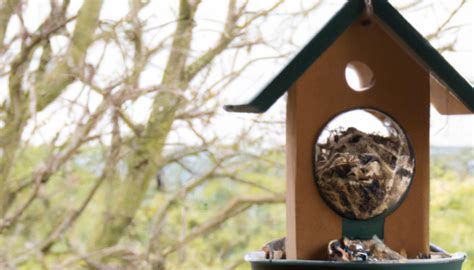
{"x": 355, "y": 181}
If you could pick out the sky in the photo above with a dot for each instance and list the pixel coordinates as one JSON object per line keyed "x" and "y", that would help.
{"x": 445, "y": 130}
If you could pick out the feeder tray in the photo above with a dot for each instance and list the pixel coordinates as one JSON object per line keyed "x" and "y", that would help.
{"x": 258, "y": 262}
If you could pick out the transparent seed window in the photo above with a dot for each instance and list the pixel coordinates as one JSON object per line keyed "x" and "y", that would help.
{"x": 363, "y": 164}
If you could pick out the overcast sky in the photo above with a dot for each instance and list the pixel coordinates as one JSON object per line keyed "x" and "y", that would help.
{"x": 450, "y": 131}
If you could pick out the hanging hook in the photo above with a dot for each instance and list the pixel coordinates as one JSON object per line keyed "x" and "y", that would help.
{"x": 369, "y": 8}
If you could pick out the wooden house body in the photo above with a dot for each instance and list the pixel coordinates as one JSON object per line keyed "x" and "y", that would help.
{"x": 407, "y": 75}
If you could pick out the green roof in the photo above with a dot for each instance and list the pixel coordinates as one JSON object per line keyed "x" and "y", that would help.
{"x": 351, "y": 11}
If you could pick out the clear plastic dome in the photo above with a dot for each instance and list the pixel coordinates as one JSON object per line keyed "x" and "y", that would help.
{"x": 364, "y": 164}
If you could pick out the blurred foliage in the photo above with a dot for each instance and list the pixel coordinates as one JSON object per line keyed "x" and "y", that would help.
{"x": 452, "y": 202}
{"x": 220, "y": 249}
{"x": 451, "y": 227}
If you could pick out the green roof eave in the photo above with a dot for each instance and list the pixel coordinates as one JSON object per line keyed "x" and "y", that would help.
{"x": 391, "y": 18}
{"x": 303, "y": 60}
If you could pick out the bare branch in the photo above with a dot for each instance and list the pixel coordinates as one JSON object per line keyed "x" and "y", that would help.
{"x": 237, "y": 179}
{"x": 443, "y": 25}
{"x": 97, "y": 255}
{"x": 56, "y": 81}
{"x": 6, "y": 11}
{"x": 227, "y": 36}
{"x": 158, "y": 217}
{"x": 108, "y": 172}
{"x": 55, "y": 161}
{"x": 232, "y": 209}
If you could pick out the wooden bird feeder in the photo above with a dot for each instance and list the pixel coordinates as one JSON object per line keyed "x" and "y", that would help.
{"x": 399, "y": 75}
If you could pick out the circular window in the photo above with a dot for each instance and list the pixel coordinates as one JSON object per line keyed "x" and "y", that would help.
{"x": 363, "y": 164}
{"x": 359, "y": 76}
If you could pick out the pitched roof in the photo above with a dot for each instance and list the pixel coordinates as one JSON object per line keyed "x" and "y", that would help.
{"x": 392, "y": 19}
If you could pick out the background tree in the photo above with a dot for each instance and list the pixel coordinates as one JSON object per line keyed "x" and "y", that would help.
{"x": 113, "y": 153}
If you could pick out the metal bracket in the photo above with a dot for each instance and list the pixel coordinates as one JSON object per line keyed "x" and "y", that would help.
{"x": 363, "y": 229}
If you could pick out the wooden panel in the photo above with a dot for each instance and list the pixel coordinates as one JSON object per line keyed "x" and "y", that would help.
{"x": 444, "y": 101}
{"x": 291, "y": 168}
{"x": 402, "y": 91}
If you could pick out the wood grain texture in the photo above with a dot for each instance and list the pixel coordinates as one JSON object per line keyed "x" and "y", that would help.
{"x": 402, "y": 90}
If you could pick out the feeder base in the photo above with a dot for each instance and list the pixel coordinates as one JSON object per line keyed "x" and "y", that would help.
{"x": 258, "y": 262}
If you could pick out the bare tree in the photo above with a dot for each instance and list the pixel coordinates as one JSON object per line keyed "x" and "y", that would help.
{"x": 40, "y": 77}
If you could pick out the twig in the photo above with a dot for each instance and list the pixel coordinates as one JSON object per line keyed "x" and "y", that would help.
{"x": 446, "y": 22}
{"x": 233, "y": 208}
{"x": 108, "y": 171}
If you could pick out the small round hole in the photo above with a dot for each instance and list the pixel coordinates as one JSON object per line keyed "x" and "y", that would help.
{"x": 359, "y": 76}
